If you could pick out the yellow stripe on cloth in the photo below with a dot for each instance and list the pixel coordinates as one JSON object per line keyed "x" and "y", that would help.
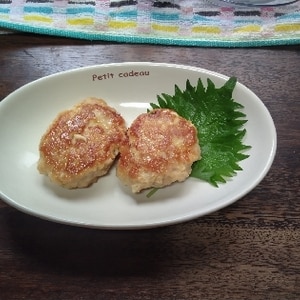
{"x": 4, "y": 17}
{"x": 37, "y": 18}
{"x": 287, "y": 27}
{"x": 122, "y": 24}
{"x": 206, "y": 29}
{"x": 81, "y": 21}
{"x": 166, "y": 28}
{"x": 248, "y": 28}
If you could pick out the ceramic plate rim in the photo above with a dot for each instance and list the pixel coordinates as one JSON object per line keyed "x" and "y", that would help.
{"x": 6, "y": 102}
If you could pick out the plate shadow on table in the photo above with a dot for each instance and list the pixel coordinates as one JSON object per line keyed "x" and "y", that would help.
{"x": 71, "y": 250}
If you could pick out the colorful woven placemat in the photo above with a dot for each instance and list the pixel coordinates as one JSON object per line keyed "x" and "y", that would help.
{"x": 185, "y": 22}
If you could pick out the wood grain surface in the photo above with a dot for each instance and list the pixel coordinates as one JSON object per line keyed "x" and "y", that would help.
{"x": 249, "y": 250}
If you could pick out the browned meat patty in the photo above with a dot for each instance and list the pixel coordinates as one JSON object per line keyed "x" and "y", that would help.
{"x": 81, "y": 144}
{"x": 159, "y": 150}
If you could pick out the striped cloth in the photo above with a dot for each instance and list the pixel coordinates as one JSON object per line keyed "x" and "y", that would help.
{"x": 208, "y": 23}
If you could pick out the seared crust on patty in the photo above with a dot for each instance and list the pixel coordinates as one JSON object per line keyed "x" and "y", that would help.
{"x": 81, "y": 144}
{"x": 159, "y": 150}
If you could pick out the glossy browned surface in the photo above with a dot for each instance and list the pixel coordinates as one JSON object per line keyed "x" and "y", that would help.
{"x": 160, "y": 149}
{"x": 81, "y": 143}
{"x": 249, "y": 250}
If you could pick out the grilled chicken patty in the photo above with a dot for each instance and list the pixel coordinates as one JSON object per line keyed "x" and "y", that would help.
{"x": 159, "y": 150}
{"x": 81, "y": 144}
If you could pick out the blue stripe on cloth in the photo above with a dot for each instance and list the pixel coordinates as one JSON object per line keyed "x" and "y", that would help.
{"x": 4, "y": 10}
{"x": 38, "y": 9}
{"x": 247, "y": 22}
{"x": 295, "y": 15}
{"x": 80, "y": 10}
{"x": 165, "y": 16}
{"x": 200, "y": 19}
{"x": 124, "y": 14}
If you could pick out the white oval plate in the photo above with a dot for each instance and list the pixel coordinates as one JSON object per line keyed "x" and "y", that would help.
{"x": 129, "y": 87}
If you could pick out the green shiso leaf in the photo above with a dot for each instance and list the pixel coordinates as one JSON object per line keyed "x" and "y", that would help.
{"x": 219, "y": 120}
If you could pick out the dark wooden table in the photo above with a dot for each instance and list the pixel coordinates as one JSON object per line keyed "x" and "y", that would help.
{"x": 249, "y": 250}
